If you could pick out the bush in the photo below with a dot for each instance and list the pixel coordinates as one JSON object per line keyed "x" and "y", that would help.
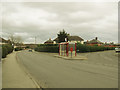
{"x": 9, "y": 48}
{"x": 6, "y": 49}
{"x": 87, "y": 48}
{"x": 27, "y": 47}
{"x": 47, "y": 48}
{"x": 18, "y": 49}
{"x": 80, "y": 48}
{"x": 0, "y": 52}
{"x": 4, "y": 52}
{"x": 47, "y": 45}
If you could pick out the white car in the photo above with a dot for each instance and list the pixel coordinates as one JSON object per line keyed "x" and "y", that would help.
{"x": 117, "y": 49}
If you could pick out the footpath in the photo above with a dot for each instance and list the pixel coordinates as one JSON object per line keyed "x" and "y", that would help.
{"x": 13, "y": 76}
{"x": 0, "y": 75}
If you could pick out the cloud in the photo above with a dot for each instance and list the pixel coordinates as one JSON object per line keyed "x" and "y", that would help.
{"x": 45, "y": 19}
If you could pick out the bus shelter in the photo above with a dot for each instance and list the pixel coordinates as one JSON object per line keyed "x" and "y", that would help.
{"x": 67, "y": 49}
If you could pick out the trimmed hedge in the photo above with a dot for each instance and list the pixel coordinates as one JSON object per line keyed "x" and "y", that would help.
{"x": 18, "y": 49}
{"x": 27, "y": 47}
{"x": 47, "y": 45}
{"x": 87, "y": 48}
{"x": 81, "y": 48}
{"x": 47, "y": 48}
{"x": 0, "y": 52}
{"x": 4, "y": 52}
{"x": 9, "y": 48}
{"x": 6, "y": 49}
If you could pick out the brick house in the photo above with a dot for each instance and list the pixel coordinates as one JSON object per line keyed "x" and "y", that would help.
{"x": 3, "y": 41}
{"x": 49, "y": 41}
{"x": 74, "y": 39}
{"x": 94, "y": 42}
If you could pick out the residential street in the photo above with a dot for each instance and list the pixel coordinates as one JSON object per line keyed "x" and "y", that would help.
{"x": 59, "y": 44}
{"x": 100, "y": 70}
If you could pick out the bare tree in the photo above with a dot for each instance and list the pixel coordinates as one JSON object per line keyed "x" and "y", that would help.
{"x": 18, "y": 39}
{"x": 12, "y": 38}
{"x": 15, "y": 39}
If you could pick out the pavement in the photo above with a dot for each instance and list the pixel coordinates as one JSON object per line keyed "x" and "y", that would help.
{"x": 100, "y": 70}
{"x": 13, "y": 76}
{"x": 71, "y": 58}
{"x": 0, "y": 75}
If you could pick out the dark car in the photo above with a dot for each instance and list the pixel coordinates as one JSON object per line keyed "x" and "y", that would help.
{"x": 30, "y": 50}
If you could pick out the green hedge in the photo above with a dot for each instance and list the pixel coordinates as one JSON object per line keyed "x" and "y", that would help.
{"x": 6, "y": 49}
{"x": 80, "y": 48}
{"x": 0, "y": 52}
{"x": 87, "y": 48}
{"x": 47, "y": 45}
{"x": 4, "y": 52}
{"x": 9, "y": 48}
{"x": 47, "y": 48}
{"x": 27, "y": 47}
{"x": 18, "y": 49}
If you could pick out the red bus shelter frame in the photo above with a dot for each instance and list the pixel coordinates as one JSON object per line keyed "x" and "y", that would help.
{"x": 67, "y": 48}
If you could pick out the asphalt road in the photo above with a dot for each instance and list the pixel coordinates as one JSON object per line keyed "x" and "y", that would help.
{"x": 100, "y": 70}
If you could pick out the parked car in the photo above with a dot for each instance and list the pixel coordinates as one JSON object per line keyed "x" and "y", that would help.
{"x": 30, "y": 50}
{"x": 117, "y": 49}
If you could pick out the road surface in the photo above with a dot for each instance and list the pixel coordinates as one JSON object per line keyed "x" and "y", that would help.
{"x": 100, "y": 70}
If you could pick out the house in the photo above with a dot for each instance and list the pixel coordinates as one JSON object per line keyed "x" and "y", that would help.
{"x": 111, "y": 44}
{"x": 49, "y": 41}
{"x": 94, "y": 42}
{"x": 74, "y": 39}
{"x": 3, "y": 41}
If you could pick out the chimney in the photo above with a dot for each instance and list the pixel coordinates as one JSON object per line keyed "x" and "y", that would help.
{"x": 96, "y": 38}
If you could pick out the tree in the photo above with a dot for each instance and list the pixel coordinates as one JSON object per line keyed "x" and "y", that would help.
{"x": 15, "y": 39}
{"x": 62, "y": 35}
{"x": 12, "y": 38}
{"x": 18, "y": 39}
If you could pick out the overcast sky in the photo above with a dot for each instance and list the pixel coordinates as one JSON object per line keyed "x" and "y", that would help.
{"x": 45, "y": 19}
